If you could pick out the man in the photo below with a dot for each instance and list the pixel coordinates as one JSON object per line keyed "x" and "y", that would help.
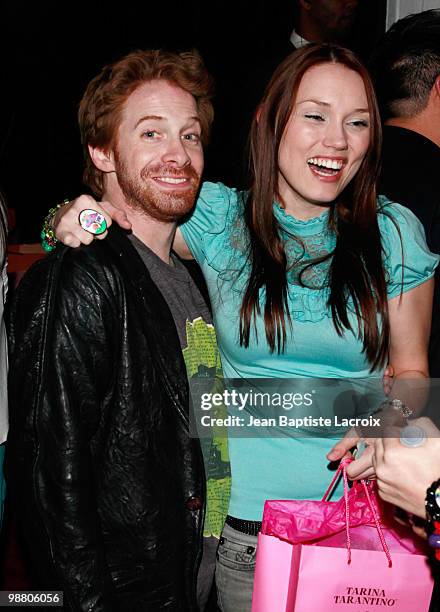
{"x": 406, "y": 68}
{"x": 314, "y": 21}
{"x": 323, "y": 21}
{"x": 320, "y": 21}
{"x": 108, "y": 486}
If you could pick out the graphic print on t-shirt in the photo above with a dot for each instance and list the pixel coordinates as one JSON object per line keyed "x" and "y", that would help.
{"x": 202, "y": 360}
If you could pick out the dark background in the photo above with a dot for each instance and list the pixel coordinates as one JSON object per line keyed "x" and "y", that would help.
{"x": 49, "y": 52}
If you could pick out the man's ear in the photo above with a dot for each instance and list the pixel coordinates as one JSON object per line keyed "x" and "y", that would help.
{"x": 306, "y": 4}
{"x": 103, "y": 160}
{"x": 437, "y": 86}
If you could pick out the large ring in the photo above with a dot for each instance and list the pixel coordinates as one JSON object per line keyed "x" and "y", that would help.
{"x": 412, "y": 436}
{"x": 92, "y": 221}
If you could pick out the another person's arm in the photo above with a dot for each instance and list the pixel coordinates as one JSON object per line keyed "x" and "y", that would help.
{"x": 68, "y": 230}
{"x": 66, "y": 224}
{"x": 404, "y": 474}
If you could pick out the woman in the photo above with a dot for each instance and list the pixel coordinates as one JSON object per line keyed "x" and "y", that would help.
{"x": 305, "y": 277}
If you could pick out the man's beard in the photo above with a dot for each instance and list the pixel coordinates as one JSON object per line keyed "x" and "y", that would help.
{"x": 141, "y": 193}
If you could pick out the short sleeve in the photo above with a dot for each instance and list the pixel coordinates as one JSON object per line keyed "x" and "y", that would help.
{"x": 408, "y": 261}
{"x": 205, "y": 230}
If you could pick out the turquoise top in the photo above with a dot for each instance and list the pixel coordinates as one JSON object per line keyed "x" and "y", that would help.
{"x": 290, "y": 468}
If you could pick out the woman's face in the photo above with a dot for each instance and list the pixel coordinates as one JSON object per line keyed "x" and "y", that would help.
{"x": 325, "y": 139}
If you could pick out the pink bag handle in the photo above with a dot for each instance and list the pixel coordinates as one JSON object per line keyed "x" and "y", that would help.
{"x": 365, "y": 484}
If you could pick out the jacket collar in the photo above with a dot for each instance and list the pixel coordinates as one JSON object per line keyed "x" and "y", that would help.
{"x": 158, "y": 321}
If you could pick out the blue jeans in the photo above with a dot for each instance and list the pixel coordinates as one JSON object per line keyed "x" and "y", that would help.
{"x": 234, "y": 574}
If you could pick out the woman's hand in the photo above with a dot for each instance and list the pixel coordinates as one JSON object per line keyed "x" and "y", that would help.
{"x": 66, "y": 224}
{"x": 360, "y": 468}
{"x": 364, "y": 438}
{"x": 353, "y": 437}
{"x": 388, "y": 379}
{"x": 407, "y": 378}
{"x": 343, "y": 447}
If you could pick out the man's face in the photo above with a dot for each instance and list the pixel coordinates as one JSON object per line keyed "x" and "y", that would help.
{"x": 334, "y": 17}
{"x": 158, "y": 155}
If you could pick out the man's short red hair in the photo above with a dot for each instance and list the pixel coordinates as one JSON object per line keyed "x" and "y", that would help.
{"x": 101, "y": 107}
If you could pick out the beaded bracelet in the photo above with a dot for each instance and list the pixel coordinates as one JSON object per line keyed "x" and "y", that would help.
{"x": 432, "y": 504}
{"x": 48, "y": 238}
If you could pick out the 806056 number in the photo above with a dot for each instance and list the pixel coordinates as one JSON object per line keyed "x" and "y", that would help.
{"x": 31, "y": 598}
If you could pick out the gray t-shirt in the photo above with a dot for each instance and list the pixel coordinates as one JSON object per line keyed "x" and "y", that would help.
{"x": 177, "y": 287}
{"x": 200, "y": 352}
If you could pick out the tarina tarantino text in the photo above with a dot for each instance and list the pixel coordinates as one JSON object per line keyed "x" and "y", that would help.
{"x": 365, "y": 596}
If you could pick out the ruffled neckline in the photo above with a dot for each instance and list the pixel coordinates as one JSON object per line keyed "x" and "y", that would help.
{"x": 301, "y": 227}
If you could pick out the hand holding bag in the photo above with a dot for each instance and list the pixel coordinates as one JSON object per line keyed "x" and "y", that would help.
{"x": 343, "y": 555}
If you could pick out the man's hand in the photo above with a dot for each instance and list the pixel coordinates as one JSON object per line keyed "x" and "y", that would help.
{"x": 66, "y": 224}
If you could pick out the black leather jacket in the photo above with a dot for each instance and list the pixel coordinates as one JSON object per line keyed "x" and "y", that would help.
{"x": 108, "y": 486}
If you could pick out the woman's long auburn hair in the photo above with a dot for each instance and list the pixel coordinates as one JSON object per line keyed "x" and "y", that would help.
{"x": 356, "y": 269}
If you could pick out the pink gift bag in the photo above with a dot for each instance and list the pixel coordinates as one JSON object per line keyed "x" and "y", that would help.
{"x": 344, "y": 555}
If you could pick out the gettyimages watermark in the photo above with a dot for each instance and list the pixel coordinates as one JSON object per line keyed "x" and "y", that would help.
{"x": 309, "y": 407}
